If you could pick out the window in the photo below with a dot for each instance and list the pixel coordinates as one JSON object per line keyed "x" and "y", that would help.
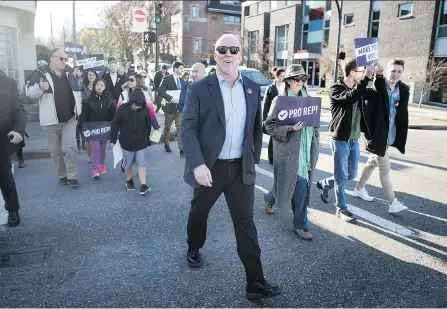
{"x": 374, "y": 27}
{"x": 194, "y": 12}
{"x": 305, "y": 36}
{"x": 232, "y": 19}
{"x": 197, "y": 46}
{"x": 273, "y": 5}
{"x": 328, "y": 5}
{"x": 230, "y": 2}
{"x": 282, "y": 37}
{"x": 442, "y": 28}
{"x": 349, "y": 19}
{"x": 287, "y": 3}
{"x": 253, "y": 37}
{"x": 246, "y": 11}
{"x": 405, "y": 9}
{"x": 327, "y": 27}
{"x": 254, "y": 8}
{"x": 280, "y": 63}
{"x": 9, "y": 53}
{"x": 309, "y": 5}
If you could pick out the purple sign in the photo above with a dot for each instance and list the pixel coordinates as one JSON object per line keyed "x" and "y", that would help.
{"x": 291, "y": 110}
{"x": 366, "y": 51}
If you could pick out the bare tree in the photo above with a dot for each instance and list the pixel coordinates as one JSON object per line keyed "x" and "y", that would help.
{"x": 257, "y": 53}
{"x": 432, "y": 78}
{"x": 326, "y": 62}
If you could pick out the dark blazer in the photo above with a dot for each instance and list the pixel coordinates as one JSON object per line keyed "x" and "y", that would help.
{"x": 378, "y": 122}
{"x": 168, "y": 83}
{"x": 182, "y": 100}
{"x": 116, "y": 90}
{"x": 270, "y": 94}
{"x": 203, "y": 127}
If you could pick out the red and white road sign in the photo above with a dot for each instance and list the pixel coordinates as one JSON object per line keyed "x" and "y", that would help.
{"x": 140, "y": 16}
{"x": 139, "y": 21}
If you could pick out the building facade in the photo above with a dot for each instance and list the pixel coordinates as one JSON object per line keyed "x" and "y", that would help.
{"x": 199, "y": 24}
{"x": 17, "y": 43}
{"x": 279, "y": 33}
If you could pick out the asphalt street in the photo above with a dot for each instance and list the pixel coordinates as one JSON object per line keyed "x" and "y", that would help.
{"x": 104, "y": 246}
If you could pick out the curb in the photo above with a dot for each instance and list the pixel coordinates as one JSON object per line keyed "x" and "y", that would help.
{"x": 45, "y": 154}
{"x": 432, "y": 127}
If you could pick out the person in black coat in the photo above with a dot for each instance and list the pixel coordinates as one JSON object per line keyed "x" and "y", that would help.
{"x": 12, "y": 130}
{"x": 133, "y": 121}
{"x": 272, "y": 91}
{"x": 386, "y": 117}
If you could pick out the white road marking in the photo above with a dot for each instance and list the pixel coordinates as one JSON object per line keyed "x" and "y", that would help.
{"x": 389, "y": 225}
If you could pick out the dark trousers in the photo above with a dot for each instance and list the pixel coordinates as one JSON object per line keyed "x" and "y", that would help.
{"x": 80, "y": 139}
{"x": 270, "y": 151}
{"x": 7, "y": 183}
{"x": 227, "y": 179}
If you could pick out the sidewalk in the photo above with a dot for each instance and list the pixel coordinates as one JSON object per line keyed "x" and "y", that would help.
{"x": 36, "y": 145}
{"x": 424, "y": 118}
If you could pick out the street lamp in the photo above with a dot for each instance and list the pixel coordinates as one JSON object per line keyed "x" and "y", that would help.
{"x": 339, "y": 10}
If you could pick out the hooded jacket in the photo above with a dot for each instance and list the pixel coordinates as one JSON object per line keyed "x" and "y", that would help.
{"x": 134, "y": 125}
{"x": 98, "y": 108}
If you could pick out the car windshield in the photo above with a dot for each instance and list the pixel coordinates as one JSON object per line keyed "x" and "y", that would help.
{"x": 257, "y": 77}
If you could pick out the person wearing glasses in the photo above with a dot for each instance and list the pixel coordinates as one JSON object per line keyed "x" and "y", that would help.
{"x": 57, "y": 112}
{"x": 222, "y": 134}
{"x": 347, "y": 97}
{"x": 296, "y": 150}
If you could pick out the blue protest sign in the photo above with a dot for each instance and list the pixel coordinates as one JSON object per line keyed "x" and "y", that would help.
{"x": 91, "y": 62}
{"x": 366, "y": 51}
{"x": 96, "y": 130}
{"x": 291, "y": 110}
{"x": 73, "y": 49}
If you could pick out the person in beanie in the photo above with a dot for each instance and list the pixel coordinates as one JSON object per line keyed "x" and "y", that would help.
{"x": 99, "y": 107}
{"x": 295, "y": 156}
{"x": 133, "y": 121}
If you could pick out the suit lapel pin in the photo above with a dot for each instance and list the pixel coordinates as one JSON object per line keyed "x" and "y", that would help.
{"x": 249, "y": 91}
{"x": 396, "y": 103}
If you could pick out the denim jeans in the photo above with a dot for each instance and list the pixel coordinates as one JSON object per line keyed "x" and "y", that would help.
{"x": 299, "y": 204}
{"x": 346, "y": 161}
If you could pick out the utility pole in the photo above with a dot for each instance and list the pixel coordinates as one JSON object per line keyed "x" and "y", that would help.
{"x": 74, "y": 23}
{"x": 51, "y": 25}
{"x": 157, "y": 47}
{"x": 339, "y": 9}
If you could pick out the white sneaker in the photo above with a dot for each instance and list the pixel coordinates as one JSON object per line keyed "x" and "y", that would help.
{"x": 363, "y": 194}
{"x": 397, "y": 207}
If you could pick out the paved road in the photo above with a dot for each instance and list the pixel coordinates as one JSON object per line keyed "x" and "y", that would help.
{"x": 107, "y": 247}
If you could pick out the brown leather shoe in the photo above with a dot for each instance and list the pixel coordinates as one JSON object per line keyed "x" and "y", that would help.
{"x": 269, "y": 209}
{"x": 304, "y": 234}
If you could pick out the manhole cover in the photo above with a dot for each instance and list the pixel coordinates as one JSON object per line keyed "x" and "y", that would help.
{"x": 22, "y": 258}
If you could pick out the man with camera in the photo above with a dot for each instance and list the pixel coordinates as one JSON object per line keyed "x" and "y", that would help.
{"x": 12, "y": 129}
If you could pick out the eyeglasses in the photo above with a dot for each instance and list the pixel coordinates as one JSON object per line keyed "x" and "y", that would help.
{"x": 61, "y": 58}
{"x": 131, "y": 80}
{"x": 144, "y": 76}
{"x": 300, "y": 79}
{"x": 234, "y": 50}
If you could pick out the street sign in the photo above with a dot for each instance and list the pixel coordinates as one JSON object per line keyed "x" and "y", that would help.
{"x": 149, "y": 37}
{"x": 139, "y": 21}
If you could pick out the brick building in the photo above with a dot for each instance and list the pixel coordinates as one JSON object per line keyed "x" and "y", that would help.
{"x": 199, "y": 24}
{"x": 279, "y": 33}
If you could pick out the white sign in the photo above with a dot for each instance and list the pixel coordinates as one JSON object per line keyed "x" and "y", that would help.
{"x": 139, "y": 21}
{"x": 371, "y": 52}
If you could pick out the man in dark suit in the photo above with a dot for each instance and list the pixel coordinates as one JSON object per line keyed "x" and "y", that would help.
{"x": 272, "y": 91}
{"x": 12, "y": 130}
{"x": 114, "y": 80}
{"x": 222, "y": 134}
{"x": 158, "y": 77}
{"x": 169, "y": 83}
{"x": 198, "y": 71}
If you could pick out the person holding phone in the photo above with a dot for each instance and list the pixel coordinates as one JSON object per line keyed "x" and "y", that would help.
{"x": 12, "y": 130}
{"x": 292, "y": 173}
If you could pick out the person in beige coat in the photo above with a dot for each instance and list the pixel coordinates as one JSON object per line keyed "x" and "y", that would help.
{"x": 295, "y": 155}
{"x": 59, "y": 106}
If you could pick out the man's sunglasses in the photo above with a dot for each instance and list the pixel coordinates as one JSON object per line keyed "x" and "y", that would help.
{"x": 144, "y": 76}
{"x": 234, "y": 50}
{"x": 300, "y": 79}
{"x": 61, "y": 58}
{"x": 131, "y": 80}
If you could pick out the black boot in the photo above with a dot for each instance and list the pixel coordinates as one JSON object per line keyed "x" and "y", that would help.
{"x": 21, "y": 162}
{"x": 13, "y": 218}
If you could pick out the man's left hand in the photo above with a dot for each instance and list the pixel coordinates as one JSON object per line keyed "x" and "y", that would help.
{"x": 16, "y": 137}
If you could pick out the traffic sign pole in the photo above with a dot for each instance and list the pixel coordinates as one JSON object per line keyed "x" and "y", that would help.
{"x": 157, "y": 50}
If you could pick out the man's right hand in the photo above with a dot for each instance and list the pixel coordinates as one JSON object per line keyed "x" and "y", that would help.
{"x": 43, "y": 85}
{"x": 203, "y": 175}
{"x": 369, "y": 72}
{"x": 174, "y": 100}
